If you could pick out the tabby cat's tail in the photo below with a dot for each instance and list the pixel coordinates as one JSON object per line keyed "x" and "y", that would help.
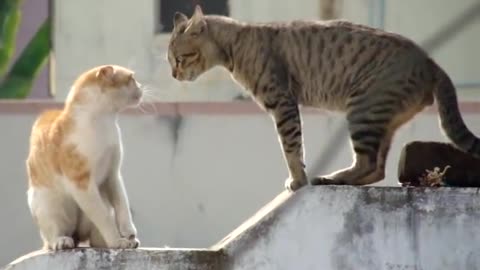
{"x": 450, "y": 118}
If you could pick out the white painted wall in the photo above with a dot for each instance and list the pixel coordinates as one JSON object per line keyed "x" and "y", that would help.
{"x": 122, "y": 32}
{"x": 190, "y": 194}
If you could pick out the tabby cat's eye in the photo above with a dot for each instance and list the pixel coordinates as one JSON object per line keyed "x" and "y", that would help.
{"x": 178, "y": 60}
{"x": 192, "y": 54}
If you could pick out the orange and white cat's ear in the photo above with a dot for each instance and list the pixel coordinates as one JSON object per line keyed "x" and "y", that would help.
{"x": 179, "y": 18}
{"x": 105, "y": 72}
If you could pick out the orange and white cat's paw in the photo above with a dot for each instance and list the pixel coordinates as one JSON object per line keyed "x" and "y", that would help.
{"x": 293, "y": 185}
{"x": 128, "y": 230}
{"x": 63, "y": 242}
{"x": 124, "y": 243}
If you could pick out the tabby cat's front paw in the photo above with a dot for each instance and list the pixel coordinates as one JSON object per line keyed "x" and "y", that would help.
{"x": 293, "y": 185}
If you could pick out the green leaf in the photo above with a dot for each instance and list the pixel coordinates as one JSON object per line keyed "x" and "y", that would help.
{"x": 19, "y": 80}
{"x": 10, "y": 17}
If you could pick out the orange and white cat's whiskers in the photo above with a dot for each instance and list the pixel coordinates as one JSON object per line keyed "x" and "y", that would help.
{"x": 148, "y": 88}
{"x": 148, "y": 104}
{"x": 148, "y": 99}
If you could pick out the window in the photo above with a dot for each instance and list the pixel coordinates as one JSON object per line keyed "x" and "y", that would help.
{"x": 167, "y": 8}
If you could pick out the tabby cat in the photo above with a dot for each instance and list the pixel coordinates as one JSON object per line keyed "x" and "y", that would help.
{"x": 379, "y": 79}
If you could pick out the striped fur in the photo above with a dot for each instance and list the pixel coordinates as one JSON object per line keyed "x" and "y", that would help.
{"x": 379, "y": 79}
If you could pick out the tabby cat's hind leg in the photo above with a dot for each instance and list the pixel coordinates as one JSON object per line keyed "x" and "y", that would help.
{"x": 376, "y": 174}
{"x": 370, "y": 127}
{"x": 365, "y": 164}
{"x": 362, "y": 168}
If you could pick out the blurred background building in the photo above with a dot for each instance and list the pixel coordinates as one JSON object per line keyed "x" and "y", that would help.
{"x": 199, "y": 165}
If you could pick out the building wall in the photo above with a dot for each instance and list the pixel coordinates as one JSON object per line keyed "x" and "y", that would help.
{"x": 190, "y": 186}
{"x": 127, "y": 37}
{"x": 188, "y": 189}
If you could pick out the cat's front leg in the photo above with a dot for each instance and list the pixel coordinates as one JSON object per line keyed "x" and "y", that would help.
{"x": 121, "y": 206}
{"x": 288, "y": 124}
{"x": 99, "y": 212}
{"x": 119, "y": 200}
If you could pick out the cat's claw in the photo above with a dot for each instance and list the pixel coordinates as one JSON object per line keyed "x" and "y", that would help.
{"x": 293, "y": 185}
{"x": 130, "y": 242}
{"x": 63, "y": 242}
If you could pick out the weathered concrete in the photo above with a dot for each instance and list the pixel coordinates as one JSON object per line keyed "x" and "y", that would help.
{"x": 351, "y": 228}
{"x": 327, "y": 228}
{"x": 87, "y": 258}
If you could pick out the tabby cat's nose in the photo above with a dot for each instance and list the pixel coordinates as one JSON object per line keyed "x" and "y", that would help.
{"x": 174, "y": 73}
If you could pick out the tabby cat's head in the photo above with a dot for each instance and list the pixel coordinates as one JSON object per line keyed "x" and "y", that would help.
{"x": 191, "y": 51}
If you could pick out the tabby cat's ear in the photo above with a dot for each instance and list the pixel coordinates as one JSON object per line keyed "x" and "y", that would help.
{"x": 179, "y": 18}
{"x": 105, "y": 72}
{"x": 197, "y": 22}
{"x": 198, "y": 13}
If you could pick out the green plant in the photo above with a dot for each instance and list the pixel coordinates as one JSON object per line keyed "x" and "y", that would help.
{"x": 18, "y": 81}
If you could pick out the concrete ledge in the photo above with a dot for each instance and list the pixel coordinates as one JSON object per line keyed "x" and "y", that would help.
{"x": 361, "y": 228}
{"x": 328, "y": 228}
{"x": 88, "y": 258}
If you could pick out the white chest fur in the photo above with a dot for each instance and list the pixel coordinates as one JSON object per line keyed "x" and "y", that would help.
{"x": 98, "y": 139}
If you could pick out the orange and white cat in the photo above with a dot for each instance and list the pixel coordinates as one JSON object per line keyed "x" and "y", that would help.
{"x": 76, "y": 191}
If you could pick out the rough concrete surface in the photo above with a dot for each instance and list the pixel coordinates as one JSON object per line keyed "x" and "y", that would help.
{"x": 324, "y": 228}
{"x": 87, "y": 258}
{"x": 362, "y": 228}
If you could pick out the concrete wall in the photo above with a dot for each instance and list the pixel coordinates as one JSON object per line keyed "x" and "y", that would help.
{"x": 328, "y": 228}
{"x": 192, "y": 186}
{"x": 133, "y": 259}
{"x": 346, "y": 228}
{"x": 126, "y": 36}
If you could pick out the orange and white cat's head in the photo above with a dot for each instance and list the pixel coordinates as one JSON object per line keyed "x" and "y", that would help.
{"x": 107, "y": 88}
{"x": 191, "y": 50}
